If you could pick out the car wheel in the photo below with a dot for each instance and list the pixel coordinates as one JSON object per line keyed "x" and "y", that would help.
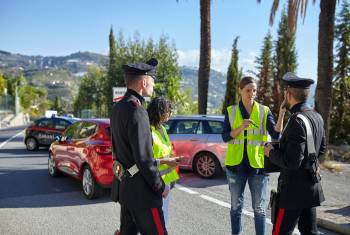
{"x": 90, "y": 188}
{"x": 206, "y": 165}
{"x": 31, "y": 144}
{"x": 53, "y": 171}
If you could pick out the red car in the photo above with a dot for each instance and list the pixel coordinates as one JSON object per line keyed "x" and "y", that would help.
{"x": 84, "y": 152}
{"x": 198, "y": 139}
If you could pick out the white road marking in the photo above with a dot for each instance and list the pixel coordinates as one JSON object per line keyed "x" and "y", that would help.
{"x": 11, "y": 138}
{"x": 228, "y": 205}
{"x": 211, "y": 199}
{"x": 222, "y": 203}
{"x": 185, "y": 189}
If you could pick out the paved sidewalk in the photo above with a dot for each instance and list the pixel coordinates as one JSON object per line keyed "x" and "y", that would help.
{"x": 336, "y": 219}
{"x": 334, "y": 214}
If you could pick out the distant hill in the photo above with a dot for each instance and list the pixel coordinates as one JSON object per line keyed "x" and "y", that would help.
{"x": 74, "y": 63}
{"x": 61, "y": 74}
{"x": 217, "y": 85}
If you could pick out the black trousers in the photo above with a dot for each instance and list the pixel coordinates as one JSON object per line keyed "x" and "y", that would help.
{"x": 287, "y": 219}
{"x": 149, "y": 221}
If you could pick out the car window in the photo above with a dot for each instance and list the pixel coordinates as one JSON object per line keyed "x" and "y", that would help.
{"x": 46, "y": 122}
{"x": 61, "y": 124}
{"x": 73, "y": 131}
{"x": 108, "y": 131}
{"x": 187, "y": 127}
{"x": 200, "y": 128}
{"x": 87, "y": 130}
{"x": 216, "y": 127}
{"x": 167, "y": 125}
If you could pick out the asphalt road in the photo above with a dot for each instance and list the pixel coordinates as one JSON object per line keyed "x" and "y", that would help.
{"x": 32, "y": 202}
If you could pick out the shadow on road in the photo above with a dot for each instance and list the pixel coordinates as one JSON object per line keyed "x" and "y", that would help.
{"x": 190, "y": 179}
{"x": 15, "y": 128}
{"x": 16, "y": 139}
{"x": 35, "y": 188}
{"x": 22, "y": 152}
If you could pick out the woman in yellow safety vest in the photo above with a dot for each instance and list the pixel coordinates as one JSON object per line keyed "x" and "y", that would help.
{"x": 246, "y": 129}
{"x": 159, "y": 111}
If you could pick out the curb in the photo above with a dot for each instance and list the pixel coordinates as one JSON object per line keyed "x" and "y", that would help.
{"x": 330, "y": 225}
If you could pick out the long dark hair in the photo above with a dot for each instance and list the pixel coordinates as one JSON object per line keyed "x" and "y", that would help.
{"x": 156, "y": 109}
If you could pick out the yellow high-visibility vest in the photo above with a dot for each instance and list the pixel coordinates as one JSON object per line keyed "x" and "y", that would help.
{"x": 162, "y": 148}
{"x": 256, "y": 136}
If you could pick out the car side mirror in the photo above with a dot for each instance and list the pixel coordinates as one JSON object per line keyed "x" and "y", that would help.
{"x": 63, "y": 138}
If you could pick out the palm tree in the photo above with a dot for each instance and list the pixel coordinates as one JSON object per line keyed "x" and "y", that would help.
{"x": 323, "y": 99}
{"x": 205, "y": 57}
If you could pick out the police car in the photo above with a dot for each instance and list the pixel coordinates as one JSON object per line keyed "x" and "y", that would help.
{"x": 43, "y": 131}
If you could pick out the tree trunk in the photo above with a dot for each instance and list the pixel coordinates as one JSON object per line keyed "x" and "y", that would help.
{"x": 323, "y": 102}
{"x": 204, "y": 58}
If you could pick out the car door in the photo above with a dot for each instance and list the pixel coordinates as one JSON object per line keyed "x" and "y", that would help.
{"x": 186, "y": 135}
{"x": 67, "y": 148}
{"x": 78, "y": 154}
{"x": 60, "y": 125}
{"x": 45, "y": 131}
{"x": 214, "y": 129}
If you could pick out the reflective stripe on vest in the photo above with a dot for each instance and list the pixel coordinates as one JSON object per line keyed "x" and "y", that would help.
{"x": 162, "y": 148}
{"x": 165, "y": 171}
{"x": 249, "y": 142}
{"x": 256, "y": 136}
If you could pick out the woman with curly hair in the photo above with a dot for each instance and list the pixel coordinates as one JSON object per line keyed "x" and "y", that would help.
{"x": 159, "y": 111}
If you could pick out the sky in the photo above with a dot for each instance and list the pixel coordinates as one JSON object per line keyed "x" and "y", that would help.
{"x": 59, "y": 28}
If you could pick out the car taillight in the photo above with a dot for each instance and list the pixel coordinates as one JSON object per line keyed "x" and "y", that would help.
{"x": 104, "y": 150}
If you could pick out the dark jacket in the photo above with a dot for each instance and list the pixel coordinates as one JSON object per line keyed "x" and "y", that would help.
{"x": 295, "y": 183}
{"x": 132, "y": 144}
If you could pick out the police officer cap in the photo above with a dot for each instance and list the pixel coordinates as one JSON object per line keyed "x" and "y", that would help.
{"x": 148, "y": 68}
{"x": 291, "y": 80}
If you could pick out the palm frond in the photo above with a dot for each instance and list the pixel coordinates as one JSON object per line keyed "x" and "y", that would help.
{"x": 273, "y": 11}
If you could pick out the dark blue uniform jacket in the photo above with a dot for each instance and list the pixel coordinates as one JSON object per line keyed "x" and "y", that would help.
{"x": 295, "y": 184}
{"x": 132, "y": 144}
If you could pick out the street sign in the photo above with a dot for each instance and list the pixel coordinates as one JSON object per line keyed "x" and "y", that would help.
{"x": 118, "y": 92}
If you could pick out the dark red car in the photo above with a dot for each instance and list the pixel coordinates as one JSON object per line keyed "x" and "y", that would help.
{"x": 84, "y": 152}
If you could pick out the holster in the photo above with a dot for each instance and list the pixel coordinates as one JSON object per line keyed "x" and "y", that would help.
{"x": 313, "y": 168}
{"x": 118, "y": 171}
{"x": 115, "y": 189}
{"x": 274, "y": 205}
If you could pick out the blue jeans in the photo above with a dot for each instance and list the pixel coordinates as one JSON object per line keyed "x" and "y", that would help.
{"x": 165, "y": 209}
{"x": 257, "y": 185}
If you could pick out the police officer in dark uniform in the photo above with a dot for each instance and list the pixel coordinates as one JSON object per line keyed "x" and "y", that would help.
{"x": 141, "y": 187}
{"x": 299, "y": 186}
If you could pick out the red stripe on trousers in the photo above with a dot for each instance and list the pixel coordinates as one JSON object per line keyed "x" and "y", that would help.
{"x": 276, "y": 230}
{"x": 157, "y": 221}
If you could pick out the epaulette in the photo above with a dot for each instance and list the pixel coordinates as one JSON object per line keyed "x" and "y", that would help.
{"x": 135, "y": 102}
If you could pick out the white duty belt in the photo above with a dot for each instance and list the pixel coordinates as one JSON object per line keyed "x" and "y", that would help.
{"x": 309, "y": 135}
